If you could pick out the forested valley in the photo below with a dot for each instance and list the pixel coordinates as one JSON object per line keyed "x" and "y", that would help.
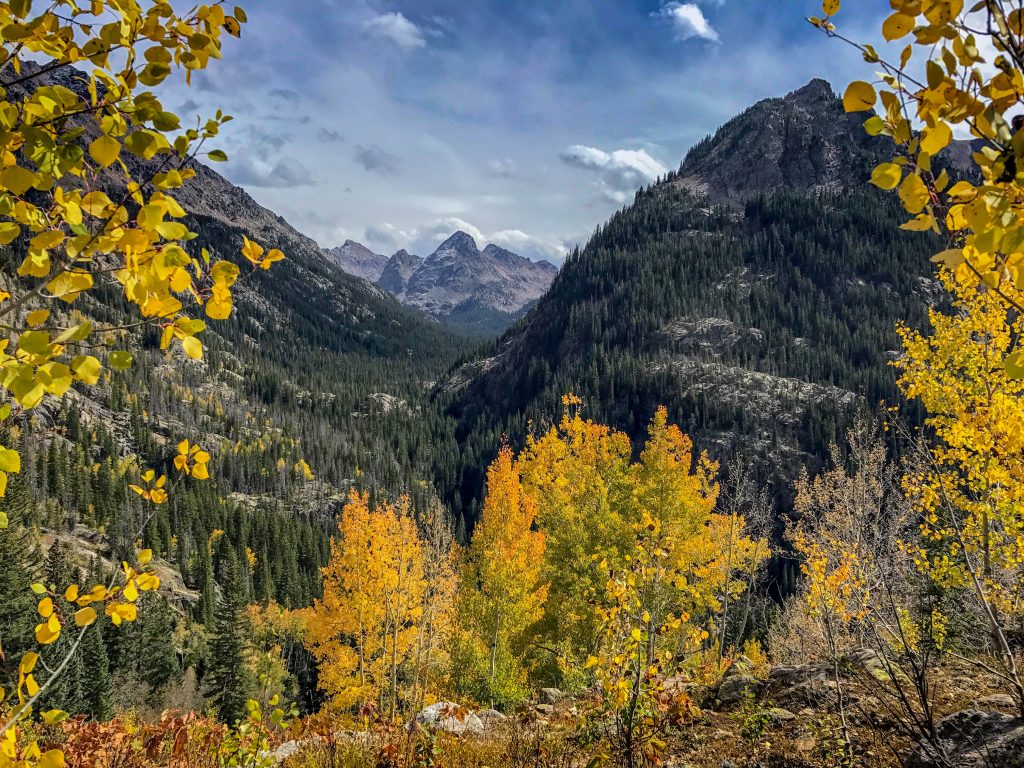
{"x": 744, "y": 487}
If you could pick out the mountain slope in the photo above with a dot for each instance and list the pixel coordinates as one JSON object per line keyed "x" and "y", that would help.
{"x": 754, "y": 292}
{"x": 483, "y": 290}
{"x": 318, "y": 380}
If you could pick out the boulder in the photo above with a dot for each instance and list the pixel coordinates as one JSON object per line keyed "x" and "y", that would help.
{"x": 545, "y": 709}
{"x": 736, "y": 688}
{"x": 780, "y": 716}
{"x": 286, "y": 750}
{"x": 491, "y": 718}
{"x": 995, "y": 701}
{"x": 551, "y": 696}
{"x": 974, "y": 739}
{"x": 451, "y": 718}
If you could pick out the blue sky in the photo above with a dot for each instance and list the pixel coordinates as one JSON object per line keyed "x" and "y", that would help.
{"x": 527, "y": 123}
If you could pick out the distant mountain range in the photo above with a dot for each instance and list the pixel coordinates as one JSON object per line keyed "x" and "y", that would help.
{"x": 458, "y": 283}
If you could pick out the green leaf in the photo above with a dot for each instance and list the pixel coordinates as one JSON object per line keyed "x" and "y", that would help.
{"x": 217, "y": 156}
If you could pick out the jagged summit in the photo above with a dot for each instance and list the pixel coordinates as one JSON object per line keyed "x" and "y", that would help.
{"x": 803, "y": 140}
{"x": 356, "y": 259}
{"x": 461, "y": 284}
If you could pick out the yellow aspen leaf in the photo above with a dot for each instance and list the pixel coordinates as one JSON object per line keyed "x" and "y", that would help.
{"x": 131, "y": 592}
{"x": 84, "y": 617}
{"x": 936, "y": 139}
{"x": 17, "y": 180}
{"x": 897, "y": 25}
{"x": 830, "y": 7}
{"x": 10, "y": 461}
{"x": 887, "y": 176}
{"x": 28, "y": 663}
{"x": 45, "y": 607}
{"x": 914, "y": 194}
{"x": 9, "y": 231}
{"x": 192, "y": 347}
{"x": 48, "y": 631}
{"x": 86, "y": 369}
{"x": 145, "y": 556}
{"x": 71, "y": 593}
{"x": 53, "y": 758}
{"x": 105, "y": 150}
{"x": 920, "y": 223}
{"x": 53, "y": 716}
{"x": 37, "y": 317}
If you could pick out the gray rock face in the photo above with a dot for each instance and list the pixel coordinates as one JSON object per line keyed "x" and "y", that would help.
{"x": 789, "y": 142}
{"x": 451, "y": 718}
{"x": 398, "y": 271}
{"x": 358, "y": 260}
{"x": 459, "y": 282}
{"x": 974, "y": 739}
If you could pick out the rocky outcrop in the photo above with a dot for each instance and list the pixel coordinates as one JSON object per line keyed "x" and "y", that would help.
{"x": 974, "y": 739}
{"x": 451, "y": 718}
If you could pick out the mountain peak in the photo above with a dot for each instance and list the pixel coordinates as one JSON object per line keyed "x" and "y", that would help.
{"x": 356, "y": 259}
{"x": 458, "y": 241}
{"x": 815, "y": 90}
{"x": 803, "y": 140}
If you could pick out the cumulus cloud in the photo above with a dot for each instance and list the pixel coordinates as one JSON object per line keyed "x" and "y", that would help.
{"x": 621, "y": 172}
{"x": 328, "y": 136}
{"x": 688, "y": 21}
{"x": 247, "y": 170}
{"x": 376, "y": 160}
{"x": 529, "y": 246}
{"x": 398, "y": 29}
{"x": 502, "y": 167}
{"x": 424, "y": 239}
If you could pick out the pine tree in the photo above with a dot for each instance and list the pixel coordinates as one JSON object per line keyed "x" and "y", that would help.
{"x": 96, "y": 693}
{"x": 159, "y": 665}
{"x": 19, "y": 556}
{"x": 227, "y": 678}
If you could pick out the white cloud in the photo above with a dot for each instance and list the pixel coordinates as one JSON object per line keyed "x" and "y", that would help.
{"x": 688, "y": 21}
{"x": 285, "y": 173}
{"x": 398, "y": 29}
{"x": 376, "y": 160}
{"x": 424, "y": 240}
{"x": 502, "y": 167}
{"x": 622, "y": 172}
{"x": 529, "y": 246}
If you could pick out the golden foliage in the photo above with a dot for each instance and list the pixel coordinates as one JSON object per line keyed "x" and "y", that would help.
{"x": 366, "y": 625}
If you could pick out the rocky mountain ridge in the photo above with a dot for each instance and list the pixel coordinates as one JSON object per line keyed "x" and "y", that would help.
{"x": 356, "y": 259}
{"x": 482, "y": 290}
